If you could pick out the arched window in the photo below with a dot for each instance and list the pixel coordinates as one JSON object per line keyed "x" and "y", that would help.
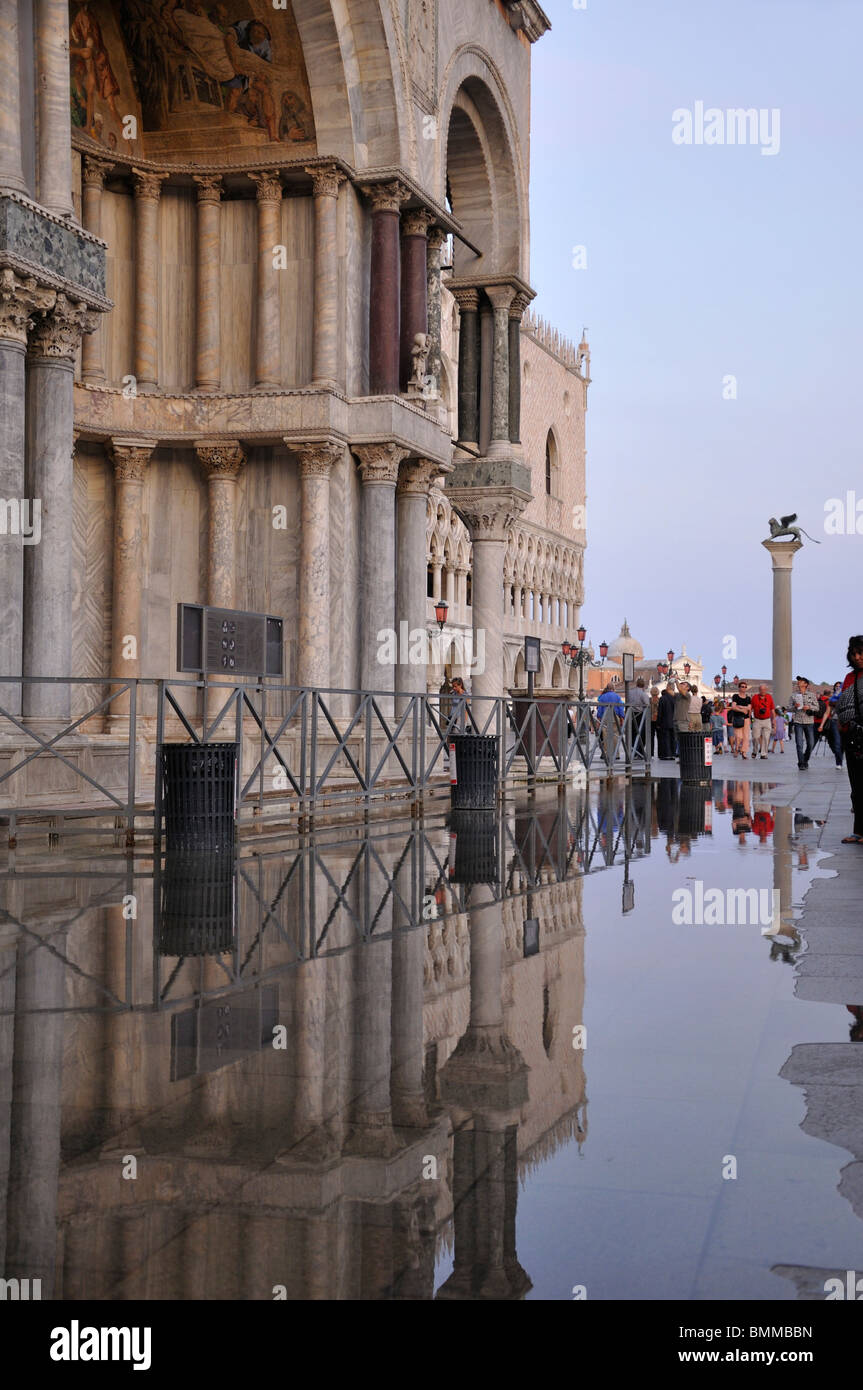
{"x": 552, "y": 464}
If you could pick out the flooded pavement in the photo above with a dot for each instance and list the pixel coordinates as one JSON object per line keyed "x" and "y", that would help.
{"x": 553, "y": 1053}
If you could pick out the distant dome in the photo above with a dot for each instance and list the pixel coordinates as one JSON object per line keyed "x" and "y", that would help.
{"x": 625, "y": 642}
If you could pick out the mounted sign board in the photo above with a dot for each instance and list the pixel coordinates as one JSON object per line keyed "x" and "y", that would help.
{"x": 628, "y": 666}
{"x": 531, "y": 654}
{"x": 227, "y": 642}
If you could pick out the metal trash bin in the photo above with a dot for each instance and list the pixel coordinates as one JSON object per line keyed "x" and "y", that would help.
{"x": 199, "y": 795}
{"x": 696, "y": 757}
{"x": 473, "y": 772}
{"x": 198, "y": 905}
{"x": 473, "y": 847}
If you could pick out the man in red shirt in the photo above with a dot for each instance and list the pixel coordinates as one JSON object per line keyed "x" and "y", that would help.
{"x": 763, "y": 721}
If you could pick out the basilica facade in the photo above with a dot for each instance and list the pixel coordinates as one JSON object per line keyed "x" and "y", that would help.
{"x": 266, "y": 343}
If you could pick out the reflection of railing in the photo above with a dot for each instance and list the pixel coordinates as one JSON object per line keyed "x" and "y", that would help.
{"x": 300, "y": 746}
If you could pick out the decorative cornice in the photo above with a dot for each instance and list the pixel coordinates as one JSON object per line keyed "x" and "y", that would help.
{"x": 209, "y": 188}
{"x": 379, "y": 463}
{"x": 58, "y": 331}
{"x": 416, "y": 222}
{"x": 130, "y": 458}
{"x": 269, "y": 187}
{"x": 316, "y": 458}
{"x": 528, "y": 17}
{"x": 326, "y": 180}
{"x": 148, "y": 184}
{"x": 47, "y": 280}
{"x": 223, "y": 458}
{"x": 386, "y": 197}
{"x": 20, "y": 298}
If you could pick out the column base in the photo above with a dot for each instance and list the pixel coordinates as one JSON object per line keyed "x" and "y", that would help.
{"x": 372, "y": 1137}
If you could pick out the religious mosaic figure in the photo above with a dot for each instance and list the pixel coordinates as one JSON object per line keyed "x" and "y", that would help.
{"x": 91, "y": 70}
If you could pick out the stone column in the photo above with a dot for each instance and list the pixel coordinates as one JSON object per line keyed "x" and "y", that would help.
{"x": 267, "y": 356}
{"x": 148, "y": 190}
{"x": 435, "y": 240}
{"x": 386, "y": 199}
{"x": 325, "y": 348}
{"x": 379, "y": 468}
{"x": 414, "y": 287}
{"x": 222, "y": 461}
{"x": 782, "y": 554}
{"x": 409, "y": 948}
{"x": 11, "y": 167}
{"x": 93, "y": 176}
{"x": 436, "y": 579}
{"x": 19, "y": 298}
{"x": 516, "y": 309}
{"x": 208, "y": 367}
{"x": 313, "y": 653}
{"x": 371, "y": 1133}
{"x": 48, "y": 565}
{"x": 489, "y": 515}
{"x": 130, "y": 458}
{"x": 411, "y": 507}
{"x": 468, "y": 369}
{"x": 54, "y": 123}
{"x": 501, "y": 297}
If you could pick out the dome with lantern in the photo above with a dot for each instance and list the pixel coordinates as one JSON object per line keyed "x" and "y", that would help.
{"x": 625, "y": 642}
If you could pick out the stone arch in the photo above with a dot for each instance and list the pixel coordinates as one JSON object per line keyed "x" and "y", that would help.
{"x": 558, "y": 674}
{"x": 519, "y": 674}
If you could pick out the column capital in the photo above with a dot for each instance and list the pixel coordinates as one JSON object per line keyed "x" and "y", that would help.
{"x": 220, "y": 458}
{"x": 57, "y": 333}
{"x": 466, "y": 299}
{"x": 489, "y": 513}
{"x": 519, "y": 303}
{"x": 436, "y": 237}
{"x": 782, "y": 552}
{"x": 269, "y": 187}
{"x": 20, "y": 298}
{"x": 386, "y": 197}
{"x": 415, "y": 477}
{"x": 316, "y": 457}
{"x": 501, "y": 296}
{"x": 379, "y": 463}
{"x": 416, "y": 222}
{"x": 209, "y": 187}
{"x": 326, "y": 180}
{"x": 94, "y": 171}
{"x": 130, "y": 458}
{"x": 148, "y": 184}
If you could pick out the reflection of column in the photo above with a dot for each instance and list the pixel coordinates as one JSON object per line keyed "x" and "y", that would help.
{"x": 314, "y": 1140}
{"x": 501, "y": 297}
{"x": 489, "y": 514}
{"x": 93, "y": 181}
{"x": 409, "y": 948}
{"x": 11, "y": 168}
{"x": 54, "y": 123}
{"x": 468, "y": 369}
{"x": 207, "y": 341}
{"x": 313, "y": 654}
{"x": 435, "y": 241}
{"x": 411, "y": 505}
{"x": 414, "y": 287}
{"x": 516, "y": 309}
{"x": 325, "y": 351}
{"x": 148, "y": 191}
{"x": 222, "y": 462}
{"x": 267, "y": 356}
{"x": 371, "y": 1133}
{"x": 48, "y": 565}
{"x": 131, "y": 457}
{"x": 782, "y": 554}
{"x": 386, "y": 199}
{"x": 379, "y": 467}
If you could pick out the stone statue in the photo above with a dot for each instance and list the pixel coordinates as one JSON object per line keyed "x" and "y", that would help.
{"x": 783, "y": 527}
{"x": 419, "y": 357}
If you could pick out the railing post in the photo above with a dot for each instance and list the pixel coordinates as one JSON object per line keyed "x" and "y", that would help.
{"x": 133, "y": 750}
{"x": 157, "y": 785}
{"x": 310, "y": 711}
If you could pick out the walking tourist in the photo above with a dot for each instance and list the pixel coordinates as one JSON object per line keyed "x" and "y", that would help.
{"x": 610, "y": 710}
{"x": 654, "y": 715}
{"x": 639, "y": 701}
{"x": 739, "y": 712}
{"x": 665, "y": 723}
{"x": 780, "y": 732}
{"x": 830, "y": 723}
{"x": 717, "y": 728}
{"x": 849, "y": 712}
{"x": 805, "y": 709}
{"x": 763, "y": 719}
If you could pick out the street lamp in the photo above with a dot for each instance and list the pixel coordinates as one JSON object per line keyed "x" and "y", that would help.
{"x": 440, "y": 611}
{"x": 577, "y": 656}
{"x": 724, "y": 673}
{"x": 686, "y": 668}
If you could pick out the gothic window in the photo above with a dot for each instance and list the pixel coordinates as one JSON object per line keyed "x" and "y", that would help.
{"x": 551, "y": 465}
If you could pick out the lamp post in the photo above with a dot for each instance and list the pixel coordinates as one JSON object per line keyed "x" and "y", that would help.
{"x": 441, "y": 609}
{"x": 577, "y": 656}
{"x": 724, "y": 673}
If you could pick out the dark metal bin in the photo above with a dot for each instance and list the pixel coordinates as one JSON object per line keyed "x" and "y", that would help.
{"x": 199, "y": 795}
{"x": 473, "y": 782}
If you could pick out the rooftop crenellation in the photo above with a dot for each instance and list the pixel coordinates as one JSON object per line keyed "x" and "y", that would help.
{"x": 554, "y": 341}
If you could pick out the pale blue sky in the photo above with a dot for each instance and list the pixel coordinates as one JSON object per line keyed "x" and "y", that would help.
{"x": 704, "y": 261}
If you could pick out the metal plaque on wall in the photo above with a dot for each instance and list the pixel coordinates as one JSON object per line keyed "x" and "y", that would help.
{"x": 228, "y": 642}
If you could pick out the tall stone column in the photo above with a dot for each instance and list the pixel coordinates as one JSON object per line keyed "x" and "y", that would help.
{"x": 501, "y": 297}
{"x": 130, "y": 458}
{"x": 148, "y": 190}
{"x": 371, "y": 1132}
{"x": 11, "y": 167}
{"x": 267, "y": 356}
{"x": 316, "y": 463}
{"x": 326, "y": 181}
{"x": 54, "y": 124}
{"x": 379, "y": 468}
{"x": 436, "y": 579}
{"x": 222, "y": 461}
{"x": 468, "y": 369}
{"x": 94, "y": 172}
{"x": 48, "y": 565}
{"x": 19, "y": 298}
{"x": 409, "y": 948}
{"x": 782, "y": 554}
{"x": 435, "y": 240}
{"x": 489, "y": 516}
{"x": 411, "y": 510}
{"x": 414, "y": 287}
{"x": 208, "y": 367}
{"x": 384, "y": 288}
{"x": 516, "y": 309}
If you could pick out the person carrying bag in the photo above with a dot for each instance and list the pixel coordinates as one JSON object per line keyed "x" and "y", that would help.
{"x": 849, "y": 712}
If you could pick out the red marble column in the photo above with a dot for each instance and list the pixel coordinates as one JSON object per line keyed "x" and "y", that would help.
{"x": 414, "y": 286}
{"x": 384, "y": 289}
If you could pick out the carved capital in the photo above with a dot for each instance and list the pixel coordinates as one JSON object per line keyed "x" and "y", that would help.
{"x": 269, "y": 187}
{"x": 489, "y": 514}
{"x": 416, "y": 222}
{"x": 467, "y": 300}
{"x": 326, "y": 180}
{"x": 379, "y": 463}
{"x": 130, "y": 458}
{"x": 20, "y": 299}
{"x": 386, "y": 197}
{"x": 57, "y": 333}
{"x": 519, "y": 304}
{"x": 501, "y": 296}
{"x": 209, "y": 188}
{"x": 148, "y": 185}
{"x": 415, "y": 477}
{"x": 221, "y": 458}
{"x": 94, "y": 171}
{"x": 317, "y": 457}
{"x": 436, "y": 237}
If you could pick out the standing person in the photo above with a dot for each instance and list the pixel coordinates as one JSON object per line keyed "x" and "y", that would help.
{"x": 654, "y": 715}
{"x": 665, "y": 723}
{"x": 780, "y": 731}
{"x": 763, "y": 720}
{"x": 610, "y": 711}
{"x": 695, "y": 704}
{"x": 740, "y": 712}
{"x": 849, "y": 712}
{"x": 717, "y": 728}
{"x": 638, "y": 703}
{"x": 805, "y": 707}
{"x": 681, "y": 710}
{"x": 830, "y": 724}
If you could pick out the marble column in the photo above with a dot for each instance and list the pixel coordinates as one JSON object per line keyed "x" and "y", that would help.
{"x": 93, "y": 173}
{"x": 468, "y": 369}
{"x": 316, "y": 462}
{"x": 148, "y": 190}
{"x": 384, "y": 288}
{"x": 267, "y": 355}
{"x": 222, "y": 462}
{"x": 48, "y": 566}
{"x": 435, "y": 240}
{"x": 19, "y": 298}
{"x": 409, "y": 948}
{"x": 208, "y": 367}
{"x": 414, "y": 287}
{"x": 379, "y": 468}
{"x": 436, "y": 579}
{"x": 11, "y": 167}
{"x": 489, "y": 515}
{"x": 371, "y": 1133}
{"x": 130, "y": 458}
{"x": 516, "y": 309}
{"x": 411, "y": 516}
{"x": 54, "y": 122}
{"x": 326, "y": 181}
{"x": 501, "y": 298}
{"x": 782, "y": 554}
